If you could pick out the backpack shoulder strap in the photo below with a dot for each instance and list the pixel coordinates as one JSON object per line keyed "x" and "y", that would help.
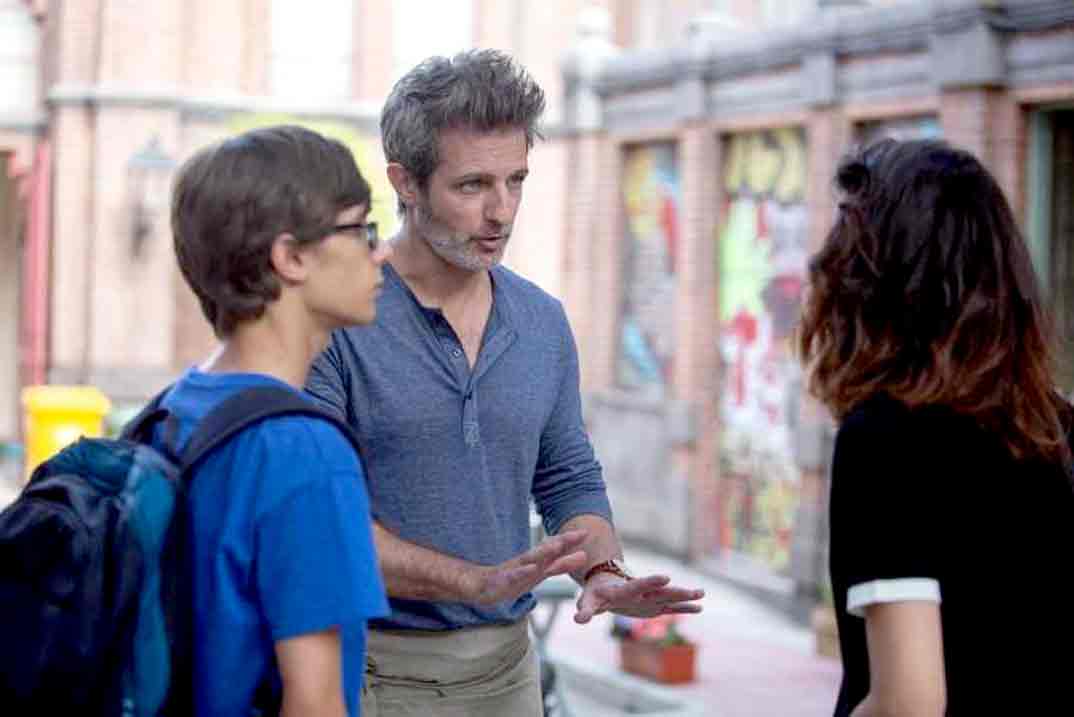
{"x": 140, "y": 428}
{"x": 246, "y": 408}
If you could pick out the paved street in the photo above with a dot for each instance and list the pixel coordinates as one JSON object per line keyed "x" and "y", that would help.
{"x": 753, "y": 661}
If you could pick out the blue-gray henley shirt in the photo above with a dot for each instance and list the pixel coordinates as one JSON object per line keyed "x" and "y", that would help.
{"x": 453, "y": 456}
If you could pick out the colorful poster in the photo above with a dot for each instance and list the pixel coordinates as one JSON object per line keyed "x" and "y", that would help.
{"x": 762, "y": 252}
{"x": 652, "y": 199}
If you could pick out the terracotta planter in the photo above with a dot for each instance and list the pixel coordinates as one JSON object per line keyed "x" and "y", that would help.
{"x": 674, "y": 664}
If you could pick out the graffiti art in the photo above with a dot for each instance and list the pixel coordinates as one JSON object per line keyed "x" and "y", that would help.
{"x": 653, "y": 203}
{"x": 762, "y": 254}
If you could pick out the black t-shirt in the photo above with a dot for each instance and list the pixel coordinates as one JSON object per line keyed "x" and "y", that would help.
{"x": 926, "y": 498}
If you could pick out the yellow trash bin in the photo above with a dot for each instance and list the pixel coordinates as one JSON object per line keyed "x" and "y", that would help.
{"x": 57, "y": 415}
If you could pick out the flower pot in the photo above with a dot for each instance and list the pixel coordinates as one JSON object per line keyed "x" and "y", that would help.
{"x": 670, "y": 664}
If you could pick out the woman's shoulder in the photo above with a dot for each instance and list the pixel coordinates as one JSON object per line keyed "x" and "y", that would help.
{"x": 881, "y": 413}
{"x": 885, "y": 430}
{"x": 878, "y": 415}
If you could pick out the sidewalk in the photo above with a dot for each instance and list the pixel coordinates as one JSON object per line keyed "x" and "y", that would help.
{"x": 753, "y": 661}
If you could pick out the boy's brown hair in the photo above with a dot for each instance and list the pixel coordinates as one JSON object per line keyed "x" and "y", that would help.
{"x": 232, "y": 199}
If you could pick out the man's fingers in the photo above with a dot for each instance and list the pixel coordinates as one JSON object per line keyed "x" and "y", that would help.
{"x": 682, "y": 608}
{"x": 510, "y": 581}
{"x": 518, "y": 575}
{"x": 567, "y": 564}
{"x": 555, "y": 547}
{"x": 573, "y": 538}
{"x": 583, "y": 616}
{"x": 643, "y": 597}
{"x": 554, "y": 556}
{"x": 631, "y": 590}
{"x": 640, "y": 599}
{"x": 588, "y": 606}
{"x": 672, "y": 595}
{"x": 650, "y": 591}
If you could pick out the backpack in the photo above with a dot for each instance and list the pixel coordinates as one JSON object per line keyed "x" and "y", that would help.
{"x": 95, "y": 607}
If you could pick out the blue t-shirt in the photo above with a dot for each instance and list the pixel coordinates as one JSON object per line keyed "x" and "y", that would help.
{"x": 282, "y": 546}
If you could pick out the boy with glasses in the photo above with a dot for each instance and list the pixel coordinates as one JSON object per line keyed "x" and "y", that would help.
{"x": 284, "y": 569}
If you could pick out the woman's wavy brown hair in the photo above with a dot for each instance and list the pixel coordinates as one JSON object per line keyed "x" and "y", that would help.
{"x": 924, "y": 290}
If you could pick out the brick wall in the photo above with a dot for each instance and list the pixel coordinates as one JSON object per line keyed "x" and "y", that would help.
{"x": 697, "y": 362}
{"x": 991, "y": 122}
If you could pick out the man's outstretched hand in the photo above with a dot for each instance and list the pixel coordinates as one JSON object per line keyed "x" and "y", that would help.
{"x": 486, "y": 585}
{"x": 642, "y": 597}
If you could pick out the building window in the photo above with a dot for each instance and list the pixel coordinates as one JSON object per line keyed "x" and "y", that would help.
{"x": 1049, "y": 225}
{"x": 312, "y": 50}
{"x": 422, "y": 29}
{"x": 18, "y": 62}
{"x": 1061, "y": 282}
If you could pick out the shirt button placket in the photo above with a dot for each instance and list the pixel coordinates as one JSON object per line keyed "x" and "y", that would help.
{"x": 471, "y": 429}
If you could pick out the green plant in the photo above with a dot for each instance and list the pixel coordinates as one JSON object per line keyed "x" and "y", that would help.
{"x": 662, "y": 630}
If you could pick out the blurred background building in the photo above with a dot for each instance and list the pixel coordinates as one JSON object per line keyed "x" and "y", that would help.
{"x": 684, "y": 181}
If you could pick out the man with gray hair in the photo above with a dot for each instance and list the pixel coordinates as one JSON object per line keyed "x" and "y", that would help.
{"x": 465, "y": 397}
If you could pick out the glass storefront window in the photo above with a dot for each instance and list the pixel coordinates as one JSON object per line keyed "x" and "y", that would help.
{"x": 1050, "y": 224}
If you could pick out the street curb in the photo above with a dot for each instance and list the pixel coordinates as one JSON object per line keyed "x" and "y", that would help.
{"x": 631, "y": 694}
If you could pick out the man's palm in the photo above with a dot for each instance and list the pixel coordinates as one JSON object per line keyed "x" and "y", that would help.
{"x": 644, "y": 597}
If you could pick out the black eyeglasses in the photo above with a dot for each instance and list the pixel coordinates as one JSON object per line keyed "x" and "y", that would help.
{"x": 367, "y": 230}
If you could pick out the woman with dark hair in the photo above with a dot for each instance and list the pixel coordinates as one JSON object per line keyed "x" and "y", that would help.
{"x": 952, "y": 507}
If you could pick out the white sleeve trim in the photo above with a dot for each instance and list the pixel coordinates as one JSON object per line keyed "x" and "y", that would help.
{"x": 897, "y": 590}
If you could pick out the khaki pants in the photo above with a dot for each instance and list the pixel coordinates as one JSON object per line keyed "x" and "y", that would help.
{"x": 473, "y": 672}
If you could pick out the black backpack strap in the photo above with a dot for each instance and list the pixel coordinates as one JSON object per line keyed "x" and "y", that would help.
{"x": 140, "y": 428}
{"x": 246, "y": 408}
{"x": 233, "y": 415}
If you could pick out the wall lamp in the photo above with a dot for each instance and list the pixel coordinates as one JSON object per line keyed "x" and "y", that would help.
{"x": 148, "y": 173}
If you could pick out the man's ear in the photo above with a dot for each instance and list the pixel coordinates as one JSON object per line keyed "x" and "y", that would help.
{"x": 406, "y": 186}
{"x": 288, "y": 259}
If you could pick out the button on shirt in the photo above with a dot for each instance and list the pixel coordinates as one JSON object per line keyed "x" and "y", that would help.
{"x": 453, "y": 455}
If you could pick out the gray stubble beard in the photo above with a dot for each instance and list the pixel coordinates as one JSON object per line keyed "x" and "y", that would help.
{"x": 455, "y": 248}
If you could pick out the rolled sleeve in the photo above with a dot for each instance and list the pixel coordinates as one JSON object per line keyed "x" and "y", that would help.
{"x": 876, "y": 592}
{"x": 568, "y": 481}
{"x": 886, "y": 522}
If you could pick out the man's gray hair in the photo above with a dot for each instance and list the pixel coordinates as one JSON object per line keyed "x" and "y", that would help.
{"x": 481, "y": 90}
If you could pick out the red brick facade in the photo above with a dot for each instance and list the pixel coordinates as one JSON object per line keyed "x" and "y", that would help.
{"x": 644, "y": 103}
{"x": 113, "y": 76}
